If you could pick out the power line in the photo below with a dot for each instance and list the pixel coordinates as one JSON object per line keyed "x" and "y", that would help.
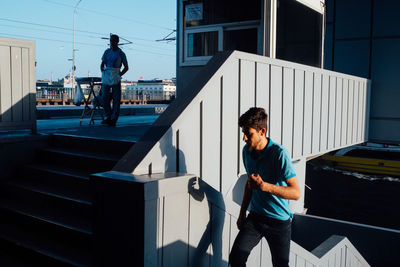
{"x": 41, "y": 30}
{"x": 81, "y": 43}
{"x": 65, "y": 33}
{"x": 112, "y": 16}
{"x": 48, "y": 26}
{"x": 70, "y": 30}
{"x": 47, "y": 39}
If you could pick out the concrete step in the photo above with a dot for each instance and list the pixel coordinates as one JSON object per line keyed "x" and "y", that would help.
{"x": 49, "y": 240}
{"x": 110, "y": 148}
{"x": 59, "y": 209}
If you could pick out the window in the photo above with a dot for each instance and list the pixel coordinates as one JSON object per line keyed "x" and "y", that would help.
{"x": 207, "y": 28}
{"x": 209, "y": 12}
{"x": 299, "y": 33}
{"x": 202, "y": 44}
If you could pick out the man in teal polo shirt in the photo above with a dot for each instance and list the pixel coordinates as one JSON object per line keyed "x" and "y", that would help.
{"x": 111, "y": 63}
{"x": 270, "y": 184}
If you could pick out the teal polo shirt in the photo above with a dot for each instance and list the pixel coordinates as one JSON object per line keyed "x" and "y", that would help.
{"x": 275, "y": 167}
{"x": 114, "y": 59}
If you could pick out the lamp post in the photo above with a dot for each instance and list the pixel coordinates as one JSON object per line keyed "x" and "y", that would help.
{"x": 73, "y": 45}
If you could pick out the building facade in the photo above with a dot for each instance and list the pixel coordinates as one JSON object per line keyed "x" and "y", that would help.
{"x": 362, "y": 39}
{"x": 150, "y": 90}
{"x": 285, "y": 29}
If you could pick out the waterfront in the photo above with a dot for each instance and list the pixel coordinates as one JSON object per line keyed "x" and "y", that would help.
{"x": 352, "y": 196}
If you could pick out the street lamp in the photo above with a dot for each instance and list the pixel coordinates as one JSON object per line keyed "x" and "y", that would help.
{"x": 73, "y": 45}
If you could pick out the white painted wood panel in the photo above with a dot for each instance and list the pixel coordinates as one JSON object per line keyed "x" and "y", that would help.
{"x": 25, "y": 85}
{"x": 298, "y": 114}
{"x": 308, "y": 113}
{"x": 247, "y": 85}
{"x": 234, "y": 231}
{"x": 324, "y": 113}
{"x": 355, "y": 112}
{"x": 276, "y": 104}
{"x": 343, "y": 256}
{"x": 5, "y": 83}
{"x": 255, "y": 256}
{"x": 316, "y": 129}
{"x": 225, "y": 237}
{"x": 292, "y": 259}
{"x": 287, "y": 110}
{"x": 300, "y": 262}
{"x": 350, "y": 114}
{"x": 262, "y": 86}
{"x": 189, "y": 162}
{"x": 151, "y": 246}
{"x": 247, "y": 94}
{"x": 339, "y": 111}
{"x": 230, "y": 128}
{"x": 266, "y": 259}
{"x": 211, "y": 139}
{"x": 331, "y": 112}
{"x": 361, "y": 115}
{"x": 200, "y": 228}
{"x": 345, "y": 108}
{"x": 16, "y": 84}
{"x": 160, "y": 229}
{"x": 175, "y": 238}
{"x": 364, "y": 111}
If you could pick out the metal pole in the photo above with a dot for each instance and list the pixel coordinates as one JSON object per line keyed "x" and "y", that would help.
{"x": 73, "y": 45}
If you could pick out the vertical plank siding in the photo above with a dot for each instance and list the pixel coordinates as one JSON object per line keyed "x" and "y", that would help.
{"x": 204, "y": 234}
{"x": 17, "y": 84}
{"x": 311, "y": 111}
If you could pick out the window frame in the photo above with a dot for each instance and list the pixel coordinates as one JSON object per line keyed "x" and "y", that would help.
{"x": 185, "y": 60}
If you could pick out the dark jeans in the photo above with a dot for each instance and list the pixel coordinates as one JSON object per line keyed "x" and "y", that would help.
{"x": 276, "y": 232}
{"x": 116, "y": 97}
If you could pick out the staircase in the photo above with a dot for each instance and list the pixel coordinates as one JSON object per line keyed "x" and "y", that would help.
{"x": 46, "y": 209}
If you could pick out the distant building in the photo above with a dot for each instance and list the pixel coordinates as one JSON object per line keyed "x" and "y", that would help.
{"x": 68, "y": 81}
{"x": 51, "y": 90}
{"x": 151, "y": 90}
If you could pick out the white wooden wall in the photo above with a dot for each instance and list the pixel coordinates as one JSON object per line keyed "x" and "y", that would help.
{"x": 188, "y": 223}
{"x": 311, "y": 111}
{"x": 17, "y": 84}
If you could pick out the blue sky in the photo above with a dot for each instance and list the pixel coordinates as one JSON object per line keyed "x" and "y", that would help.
{"x": 49, "y": 23}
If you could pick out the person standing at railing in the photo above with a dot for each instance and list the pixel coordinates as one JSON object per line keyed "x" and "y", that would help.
{"x": 270, "y": 184}
{"x": 111, "y": 63}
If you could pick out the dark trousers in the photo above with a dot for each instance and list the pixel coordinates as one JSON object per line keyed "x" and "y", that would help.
{"x": 116, "y": 97}
{"x": 276, "y": 232}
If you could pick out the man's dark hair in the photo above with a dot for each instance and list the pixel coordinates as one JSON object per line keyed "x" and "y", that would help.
{"x": 114, "y": 36}
{"x": 255, "y": 118}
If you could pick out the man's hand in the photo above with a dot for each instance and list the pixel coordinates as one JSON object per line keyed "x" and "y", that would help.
{"x": 256, "y": 182}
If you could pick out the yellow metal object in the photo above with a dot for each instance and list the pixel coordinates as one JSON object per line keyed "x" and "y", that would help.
{"x": 367, "y": 165}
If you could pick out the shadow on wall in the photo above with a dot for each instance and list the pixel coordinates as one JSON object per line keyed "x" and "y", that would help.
{"x": 197, "y": 262}
{"x": 204, "y": 194}
{"x": 212, "y": 235}
{"x": 20, "y": 115}
{"x": 175, "y": 158}
{"x": 238, "y": 189}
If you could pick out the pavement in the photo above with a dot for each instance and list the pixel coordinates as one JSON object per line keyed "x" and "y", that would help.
{"x": 129, "y": 128}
